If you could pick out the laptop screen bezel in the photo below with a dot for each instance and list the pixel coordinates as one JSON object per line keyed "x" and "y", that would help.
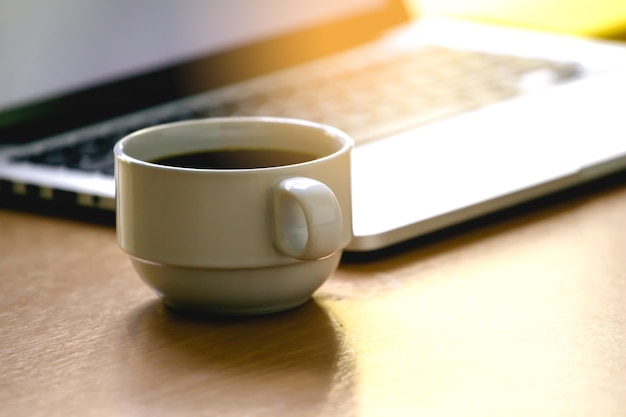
{"x": 70, "y": 111}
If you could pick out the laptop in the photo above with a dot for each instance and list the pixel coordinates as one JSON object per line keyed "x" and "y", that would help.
{"x": 452, "y": 119}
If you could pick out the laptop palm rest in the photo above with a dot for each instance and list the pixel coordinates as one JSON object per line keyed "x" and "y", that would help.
{"x": 448, "y": 172}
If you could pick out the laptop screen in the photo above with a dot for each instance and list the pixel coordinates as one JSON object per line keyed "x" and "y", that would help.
{"x": 67, "y": 63}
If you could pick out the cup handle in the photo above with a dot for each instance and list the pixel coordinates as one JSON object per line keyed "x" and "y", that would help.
{"x": 307, "y": 219}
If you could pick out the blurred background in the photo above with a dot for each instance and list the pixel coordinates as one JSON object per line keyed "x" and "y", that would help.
{"x": 601, "y": 18}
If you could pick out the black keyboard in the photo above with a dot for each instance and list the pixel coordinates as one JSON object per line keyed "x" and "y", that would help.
{"x": 366, "y": 102}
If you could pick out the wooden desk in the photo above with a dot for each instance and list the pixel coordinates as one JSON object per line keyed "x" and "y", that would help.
{"x": 524, "y": 316}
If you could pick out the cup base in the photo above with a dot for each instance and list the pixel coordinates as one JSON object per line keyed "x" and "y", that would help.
{"x": 183, "y": 305}
{"x": 237, "y": 291}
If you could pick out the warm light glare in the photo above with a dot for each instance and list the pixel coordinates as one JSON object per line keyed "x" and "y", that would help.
{"x": 585, "y": 17}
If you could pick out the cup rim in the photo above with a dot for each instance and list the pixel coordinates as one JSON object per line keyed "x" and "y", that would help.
{"x": 120, "y": 154}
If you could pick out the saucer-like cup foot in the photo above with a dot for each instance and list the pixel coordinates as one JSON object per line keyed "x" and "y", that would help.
{"x": 237, "y": 291}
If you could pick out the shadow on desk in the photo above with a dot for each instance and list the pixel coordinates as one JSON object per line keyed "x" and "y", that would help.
{"x": 234, "y": 366}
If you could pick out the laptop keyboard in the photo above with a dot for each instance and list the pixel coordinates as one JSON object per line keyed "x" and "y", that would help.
{"x": 366, "y": 102}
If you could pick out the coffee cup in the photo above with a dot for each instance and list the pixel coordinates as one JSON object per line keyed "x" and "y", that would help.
{"x": 240, "y": 215}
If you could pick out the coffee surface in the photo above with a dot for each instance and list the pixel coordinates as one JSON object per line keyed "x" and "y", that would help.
{"x": 235, "y": 159}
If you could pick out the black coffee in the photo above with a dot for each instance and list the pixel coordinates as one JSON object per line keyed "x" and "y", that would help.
{"x": 235, "y": 159}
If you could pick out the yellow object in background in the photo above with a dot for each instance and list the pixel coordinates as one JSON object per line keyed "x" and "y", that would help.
{"x": 602, "y": 18}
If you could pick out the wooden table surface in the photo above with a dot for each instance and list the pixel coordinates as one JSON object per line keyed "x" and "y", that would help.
{"x": 522, "y": 315}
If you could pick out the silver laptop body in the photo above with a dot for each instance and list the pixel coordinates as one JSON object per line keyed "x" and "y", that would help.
{"x": 527, "y": 114}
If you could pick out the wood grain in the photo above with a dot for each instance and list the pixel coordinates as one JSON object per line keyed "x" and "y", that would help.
{"x": 521, "y": 316}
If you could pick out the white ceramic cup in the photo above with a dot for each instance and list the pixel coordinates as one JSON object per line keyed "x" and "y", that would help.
{"x": 234, "y": 241}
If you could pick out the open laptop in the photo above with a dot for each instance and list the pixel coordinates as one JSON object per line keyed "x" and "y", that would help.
{"x": 471, "y": 119}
